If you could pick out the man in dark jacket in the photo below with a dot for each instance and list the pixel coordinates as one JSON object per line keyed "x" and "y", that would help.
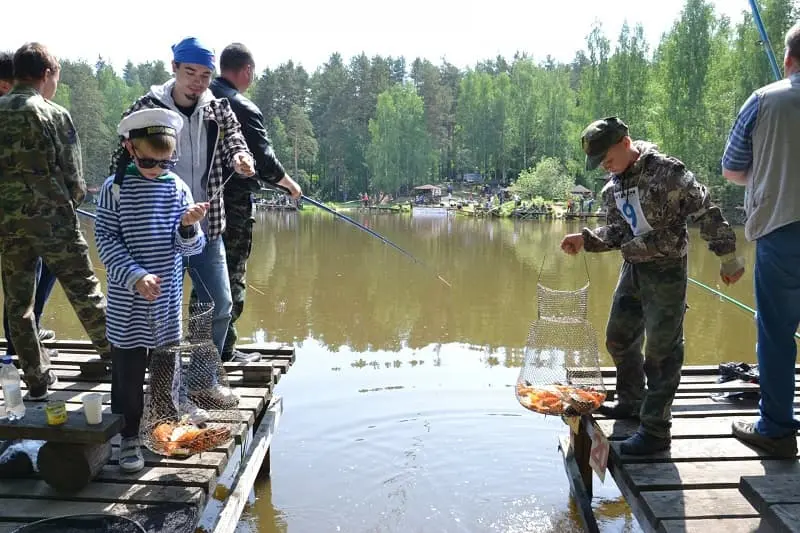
{"x": 237, "y": 69}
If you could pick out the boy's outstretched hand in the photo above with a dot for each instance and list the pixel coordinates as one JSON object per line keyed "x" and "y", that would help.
{"x": 195, "y": 213}
{"x": 149, "y": 286}
{"x": 572, "y": 243}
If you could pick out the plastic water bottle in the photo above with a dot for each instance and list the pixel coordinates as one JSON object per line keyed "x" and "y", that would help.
{"x": 12, "y": 391}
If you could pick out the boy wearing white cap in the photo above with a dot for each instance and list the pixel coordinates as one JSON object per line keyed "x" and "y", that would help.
{"x": 144, "y": 228}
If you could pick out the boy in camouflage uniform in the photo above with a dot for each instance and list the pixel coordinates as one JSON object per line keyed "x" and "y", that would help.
{"x": 42, "y": 184}
{"x": 649, "y": 199}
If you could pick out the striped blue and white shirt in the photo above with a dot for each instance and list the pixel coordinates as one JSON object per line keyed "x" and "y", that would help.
{"x": 138, "y": 235}
{"x": 738, "y": 155}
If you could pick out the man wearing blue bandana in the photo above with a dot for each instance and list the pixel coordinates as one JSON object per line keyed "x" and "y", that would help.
{"x": 210, "y": 141}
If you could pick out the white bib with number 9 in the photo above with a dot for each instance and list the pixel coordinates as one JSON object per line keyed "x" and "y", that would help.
{"x": 631, "y": 208}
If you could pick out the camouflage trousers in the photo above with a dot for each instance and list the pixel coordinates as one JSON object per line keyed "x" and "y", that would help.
{"x": 238, "y": 238}
{"x": 649, "y": 302}
{"x": 66, "y": 254}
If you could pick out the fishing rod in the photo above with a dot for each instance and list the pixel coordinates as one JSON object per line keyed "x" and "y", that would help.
{"x": 765, "y": 39}
{"x": 86, "y": 214}
{"x": 734, "y": 301}
{"x": 358, "y": 225}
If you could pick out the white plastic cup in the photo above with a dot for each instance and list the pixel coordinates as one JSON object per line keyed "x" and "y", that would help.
{"x": 93, "y": 408}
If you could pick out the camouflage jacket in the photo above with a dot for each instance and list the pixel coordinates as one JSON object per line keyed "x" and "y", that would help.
{"x": 41, "y": 174}
{"x": 225, "y": 135}
{"x": 648, "y": 207}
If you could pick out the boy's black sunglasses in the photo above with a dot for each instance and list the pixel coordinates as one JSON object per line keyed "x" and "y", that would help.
{"x": 166, "y": 164}
{"x": 148, "y": 163}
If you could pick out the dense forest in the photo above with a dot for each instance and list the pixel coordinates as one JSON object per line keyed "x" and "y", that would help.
{"x": 387, "y": 123}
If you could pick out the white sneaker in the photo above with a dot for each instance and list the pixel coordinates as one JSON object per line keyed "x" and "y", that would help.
{"x": 130, "y": 455}
{"x": 195, "y": 414}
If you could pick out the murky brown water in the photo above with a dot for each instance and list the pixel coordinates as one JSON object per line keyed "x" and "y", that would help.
{"x": 399, "y": 412}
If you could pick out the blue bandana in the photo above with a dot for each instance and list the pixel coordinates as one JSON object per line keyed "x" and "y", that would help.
{"x": 190, "y": 50}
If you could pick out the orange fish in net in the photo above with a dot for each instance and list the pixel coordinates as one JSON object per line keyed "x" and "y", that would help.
{"x": 557, "y": 399}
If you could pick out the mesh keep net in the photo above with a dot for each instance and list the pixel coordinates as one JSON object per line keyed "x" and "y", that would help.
{"x": 190, "y": 408}
{"x": 561, "y": 371}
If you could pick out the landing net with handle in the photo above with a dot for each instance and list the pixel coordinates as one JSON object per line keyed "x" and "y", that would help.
{"x": 561, "y": 373}
{"x": 190, "y": 408}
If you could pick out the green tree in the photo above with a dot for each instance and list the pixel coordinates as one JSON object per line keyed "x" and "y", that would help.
{"x": 400, "y": 151}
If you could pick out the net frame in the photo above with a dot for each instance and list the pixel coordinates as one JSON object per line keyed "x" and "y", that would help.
{"x": 176, "y": 391}
{"x": 561, "y": 377}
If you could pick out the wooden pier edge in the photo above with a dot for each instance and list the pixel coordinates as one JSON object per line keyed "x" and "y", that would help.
{"x": 707, "y": 481}
{"x": 254, "y": 454}
{"x": 213, "y": 487}
{"x": 579, "y": 490}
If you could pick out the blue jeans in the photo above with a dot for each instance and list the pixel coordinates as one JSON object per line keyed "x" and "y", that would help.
{"x": 45, "y": 281}
{"x": 777, "y": 288}
{"x": 209, "y": 273}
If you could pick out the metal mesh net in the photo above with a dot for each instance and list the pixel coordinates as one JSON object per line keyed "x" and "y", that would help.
{"x": 561, "y": 371}
{"x": 189, "y": 408}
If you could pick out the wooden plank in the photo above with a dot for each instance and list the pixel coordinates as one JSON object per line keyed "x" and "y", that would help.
{"x": 245, "y": 415}
{"x": 70, "y": 378}
{"x": 266, "y": 348}
{"x": 28, "y": 510}
{"x": 683, "y": 427}
{"x": 763, "y": 491}
{"x": 211, "y": 460}
{"x": 231, "y": 513}
{"x": 708, "y": 411}
{"x": 784, "y": 518}
{"x": 693, "y": 449}
{"x": 630, "y": 495}
{"x": 726, "y": 525}
{"x": 63, "y": 384}
{"x": 700, "y": 474}
{"x": 203, "y": 478}
{"x": 685, "y": 380}
{"x": 708, "y": 387}
{"x": 258, "y": 371}
{"x": 74, "y": 430}
{"x": 683, "y": 504}
{"x": 102, "y": 492}
{"x": 72, "y": 374}
{"x": 692, "y": 370}
{"x": 577, "y": 487}
{"x": 76, "y": 398}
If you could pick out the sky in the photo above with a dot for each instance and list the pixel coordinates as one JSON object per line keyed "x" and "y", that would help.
{"x": 308, "y": 32}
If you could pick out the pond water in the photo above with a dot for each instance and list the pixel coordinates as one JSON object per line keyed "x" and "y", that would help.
{"x": 400, "y": 413}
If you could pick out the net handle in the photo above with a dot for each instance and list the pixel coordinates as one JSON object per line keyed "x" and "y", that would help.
{"x": 544, "y": 258}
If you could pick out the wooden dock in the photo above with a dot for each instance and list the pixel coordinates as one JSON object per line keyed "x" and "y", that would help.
{"x": 708, "y": 481}
{"x": 206, "y": 492}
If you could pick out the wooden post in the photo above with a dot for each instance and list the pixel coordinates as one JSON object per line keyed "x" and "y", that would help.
{"x": 265, "y": 470}
{"x": 581, "y": 444}
{"x": 70, "y": 467}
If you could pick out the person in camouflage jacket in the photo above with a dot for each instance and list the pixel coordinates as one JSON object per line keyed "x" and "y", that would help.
{"x": 42, "y": 184}
{"x": 649, "y": 199}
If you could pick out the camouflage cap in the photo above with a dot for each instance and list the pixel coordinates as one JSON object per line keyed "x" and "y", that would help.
{"x": 599, "y": 136}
